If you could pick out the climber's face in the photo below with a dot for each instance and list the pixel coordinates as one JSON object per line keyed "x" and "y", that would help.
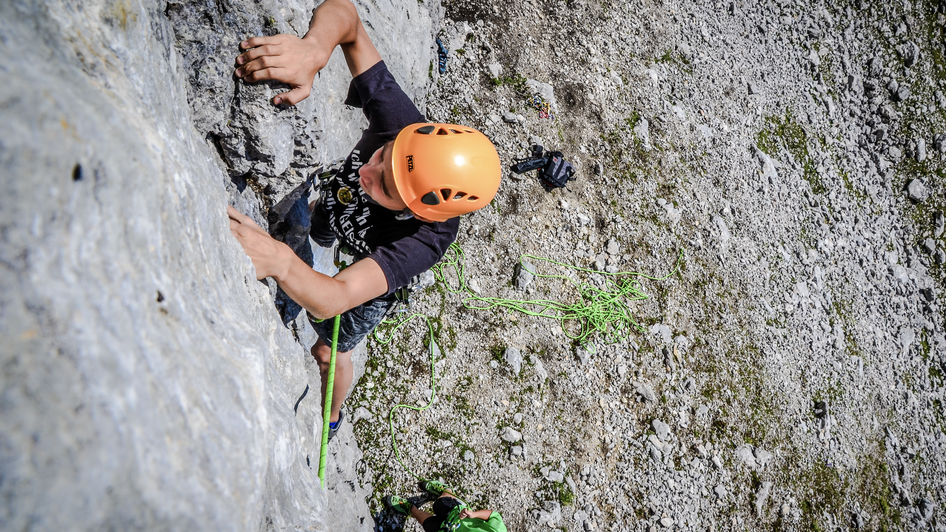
{"x": 377, "y": 179}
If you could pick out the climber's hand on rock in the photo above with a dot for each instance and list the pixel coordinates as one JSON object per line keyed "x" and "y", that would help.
{"x": 268, "y": 254}
{"x": 284, "y": 58}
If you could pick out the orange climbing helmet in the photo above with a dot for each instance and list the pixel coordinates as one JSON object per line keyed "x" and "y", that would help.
{"x": 444, "y": 170}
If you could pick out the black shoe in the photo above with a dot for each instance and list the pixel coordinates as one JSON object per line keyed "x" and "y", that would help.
{"x": 319, "y": 229}
{"x": 338, "y": 424}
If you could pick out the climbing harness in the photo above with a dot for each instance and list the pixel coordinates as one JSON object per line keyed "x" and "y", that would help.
{"x": 553, "y": 170}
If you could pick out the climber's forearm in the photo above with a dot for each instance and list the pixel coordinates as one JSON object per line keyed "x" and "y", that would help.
{"x": 336, "y": 22}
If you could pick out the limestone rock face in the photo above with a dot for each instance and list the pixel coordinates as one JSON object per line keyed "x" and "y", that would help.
{"x": 146, "y": 378}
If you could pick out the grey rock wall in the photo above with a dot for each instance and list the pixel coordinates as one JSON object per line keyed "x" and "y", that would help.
{"x": 146, "y": 379}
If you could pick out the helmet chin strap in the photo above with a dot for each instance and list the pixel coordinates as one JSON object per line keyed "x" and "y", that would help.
{"x": 404, "y": 214}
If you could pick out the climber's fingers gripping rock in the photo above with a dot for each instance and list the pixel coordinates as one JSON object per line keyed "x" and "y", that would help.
{"x": 266, "y": 253}
{"x": 284, "y": 58}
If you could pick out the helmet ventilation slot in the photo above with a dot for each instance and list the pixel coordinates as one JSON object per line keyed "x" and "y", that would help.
{"x": 426, "y": 130}
{"x": 446, "y": 192}
{"x": 430, "y": 198}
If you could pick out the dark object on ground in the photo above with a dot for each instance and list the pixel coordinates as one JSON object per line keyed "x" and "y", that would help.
{"x": 553, "y": 170}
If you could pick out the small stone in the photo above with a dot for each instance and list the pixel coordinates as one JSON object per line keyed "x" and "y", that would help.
{"x": 762, "y": 457}
{"x": 646, "y": 392}
{"x": 926, "y": 509}
{"x": 493, "y": 364}
{"x": 655, "y": 453}
{"x": 662, "y": 430}
{"x": 929, "y": 246}
{"x": 717, "y": 462}
{"x": 921, "y": 150}
{"x": 510, "y": 435}
{"x": 902, "y": 95}
{"x": 555, "y": 476}
{"x": 720, "y": 491}
{"x": 761, "y": 497}
{"x": 940, "y": 256}
{"x": 893, "y": 86}
{"x": 939, "y": 223}
{"x": 515, "y": 450}
{"x": 469, "y": 456}
{"x": 613, "y": 247}
{"x": 821, "y": 409}
{"x": 900, "y": 273}
{"x": 910, "y": 53}
{"x": 525, "y": 274}
{"x": 642, "y": 131}
{"x": 517, "y": 418}
{"x": 666, "y": 522}
{"x": 495, "y": 70}
{"x": 513, "y": 357}
{"x": 701, "y": 451}
{"x": 361, "y": 413}
{"x": 510, "y": 118}
{"x": 917, "y": 191}
{"x": 785, "y": 510}
{"x": 744, "y": 453}
{"x": 474, "y": 286}
{"x": 551, "y": 515}
{"x": 753, "y": 89}
{"x": 894, "y": 152}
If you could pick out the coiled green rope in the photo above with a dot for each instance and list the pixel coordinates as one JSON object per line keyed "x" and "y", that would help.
{"x": 606, "y": 310}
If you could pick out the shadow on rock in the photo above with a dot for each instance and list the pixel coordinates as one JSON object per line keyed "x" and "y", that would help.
{"x": 289, "y": 223}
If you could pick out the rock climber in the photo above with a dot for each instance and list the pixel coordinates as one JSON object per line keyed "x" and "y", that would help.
{"x": 450, "y": 513}
{"x": 394, "y": 203}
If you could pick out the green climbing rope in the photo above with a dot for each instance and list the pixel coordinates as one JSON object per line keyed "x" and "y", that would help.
{"x": 433, "y": 348}
{"x": 605, "y": 310}
{"x": 453, "y": 518}
{"x": 327, "y": 409}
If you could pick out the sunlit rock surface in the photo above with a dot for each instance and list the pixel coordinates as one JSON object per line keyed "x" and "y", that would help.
{"x": 148, "y": 381}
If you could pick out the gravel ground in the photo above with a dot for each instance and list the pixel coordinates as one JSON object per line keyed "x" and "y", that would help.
{"x": 789, "y": 373}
